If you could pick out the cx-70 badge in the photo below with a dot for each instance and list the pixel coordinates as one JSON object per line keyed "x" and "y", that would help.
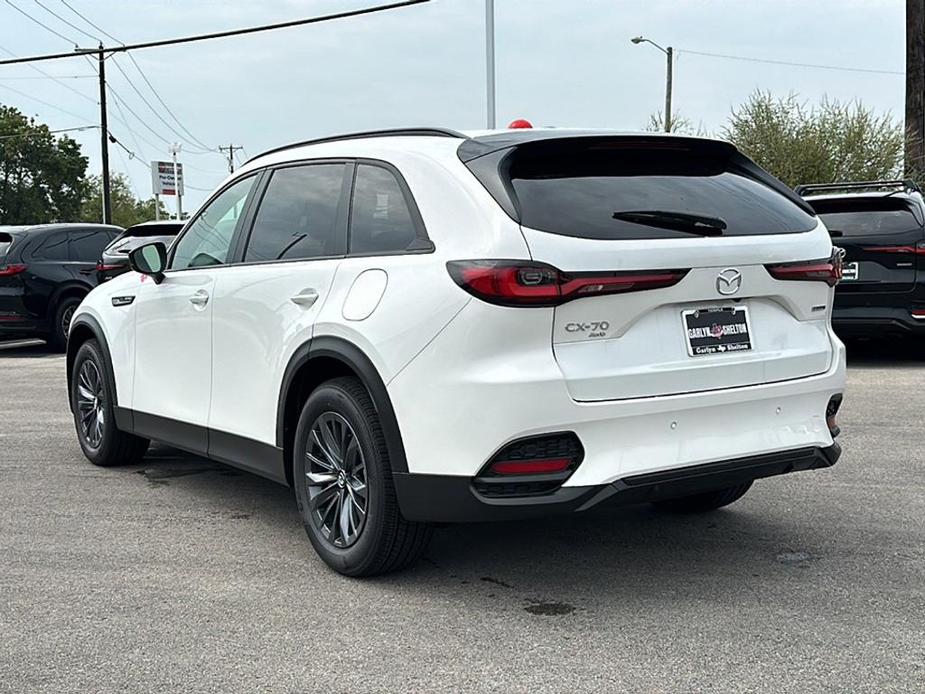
{"x": 729, "y": 281}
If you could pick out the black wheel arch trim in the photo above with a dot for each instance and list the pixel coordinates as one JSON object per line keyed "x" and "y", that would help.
{"x": 87, "y": 322}
{"x": 354, "y": 358}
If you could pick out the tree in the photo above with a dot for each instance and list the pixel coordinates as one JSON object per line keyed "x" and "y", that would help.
{"x": 126, "y": 208}
{"x": 828, "y": 143}
{"x": 680, "y": 125}
{"x": 42, "y": 178}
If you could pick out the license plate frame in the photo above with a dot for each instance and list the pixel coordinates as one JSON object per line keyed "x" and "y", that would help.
{"x": 711, "y": 344}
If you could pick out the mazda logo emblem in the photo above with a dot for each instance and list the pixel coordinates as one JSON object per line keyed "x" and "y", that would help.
{"x": 729, "y": 281}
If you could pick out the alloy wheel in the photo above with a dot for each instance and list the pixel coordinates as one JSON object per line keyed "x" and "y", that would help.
{"x": 90, "y": 403}
{"x": 66, "y": 319}
{"x": 338, "y": 498}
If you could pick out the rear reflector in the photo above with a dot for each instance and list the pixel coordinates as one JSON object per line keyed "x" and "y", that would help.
{"x": 828, "y": 271}
{"x": 524, "y": 283}
{"x": 531, "y": 467}
{"x": 12, "y": 269}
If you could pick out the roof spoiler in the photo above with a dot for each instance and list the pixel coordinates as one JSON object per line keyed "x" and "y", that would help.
{"x": 905, "y": 185}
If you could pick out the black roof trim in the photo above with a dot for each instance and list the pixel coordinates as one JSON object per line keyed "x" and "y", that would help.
{"x": 906, "y": 185}
{"x": 394, "y": 132}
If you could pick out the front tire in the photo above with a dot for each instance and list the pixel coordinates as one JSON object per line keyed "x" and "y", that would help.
{"x": 94, "y": 417}
{"x": 343, "y": 485}
{"x": 707, "y": 501}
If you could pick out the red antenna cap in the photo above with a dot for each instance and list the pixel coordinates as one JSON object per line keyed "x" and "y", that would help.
{"x": 520, "y": 123}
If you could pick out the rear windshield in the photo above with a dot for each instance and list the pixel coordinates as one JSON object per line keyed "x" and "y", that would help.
{"x": 6, "y": 240}
{"x": 579, "y": 189}
{"x": 847, "y": 218}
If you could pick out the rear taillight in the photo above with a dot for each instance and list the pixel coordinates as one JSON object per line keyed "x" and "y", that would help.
{"x": 830, "y": 411}
{"x": 828, "y": 271}
{"x": 11, "y": 269}
{"x": 524, "y": 283}
{"x": 101, "y": 267}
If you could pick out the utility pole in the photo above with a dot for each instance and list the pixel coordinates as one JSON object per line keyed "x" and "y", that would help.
{"x": 915, "y": 88}
{"x": 490, "y": 60}
{"x": 231, "y": 150}
{"x": 670, "y": 53}
{"x": 104, "y": 138}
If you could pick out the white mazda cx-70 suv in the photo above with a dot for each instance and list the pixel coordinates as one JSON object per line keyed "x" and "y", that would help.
{"x": 423, "y": 326}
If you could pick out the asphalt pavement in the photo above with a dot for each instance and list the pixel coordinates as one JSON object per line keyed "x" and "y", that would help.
{"x": 184, "y": 575}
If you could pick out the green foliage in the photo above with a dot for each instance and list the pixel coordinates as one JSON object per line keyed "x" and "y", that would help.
{"x": 680, "y": 125}
{"x": 42, "y": 178}
{"x": 126, "y": 208}
{"x": 823, "y": 144}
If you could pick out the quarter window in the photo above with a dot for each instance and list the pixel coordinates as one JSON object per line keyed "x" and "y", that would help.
{"x": 54, "y": 247}
{"x": 380, "y": 220}
{"x": 297, "y": 217}
{"x": 88, "y": 245}
{"x": 207, "y": 241}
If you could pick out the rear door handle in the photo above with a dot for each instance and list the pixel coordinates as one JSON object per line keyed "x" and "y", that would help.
{"x": 306, "y": 298}
{"x": 200, "y": 298}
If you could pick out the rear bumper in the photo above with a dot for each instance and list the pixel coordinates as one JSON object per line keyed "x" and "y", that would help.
{"x": 872, "y": 321}
{"x": 451, "y": 499}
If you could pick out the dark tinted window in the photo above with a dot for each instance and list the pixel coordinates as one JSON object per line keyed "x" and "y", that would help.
{"x": 6, "y": 240}
{"x": 380, "y": 220}
{"x": 208, "y": 239}
{"x": 297, "y": 217}
{"x": 88, "y": 245}
{"x": 575, "y": 189}
{"x": 54, "y": 247}
{"x": 861, "y": 217}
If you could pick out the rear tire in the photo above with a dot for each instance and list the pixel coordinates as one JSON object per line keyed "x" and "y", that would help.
{"x": 94, "y": 416}
{"x": 348, "y": 505}
{"x": 62, "y": 321}
{"x": 707, "y": 501}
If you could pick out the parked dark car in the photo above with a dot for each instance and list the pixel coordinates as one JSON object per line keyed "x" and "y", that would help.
{"x": 45, "y": 272}
{"x": 881, "y": 226}
{"x": 114, "y": 259}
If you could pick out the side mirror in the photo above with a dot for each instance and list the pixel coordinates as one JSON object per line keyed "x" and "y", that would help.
{"x": 150, "y": 259}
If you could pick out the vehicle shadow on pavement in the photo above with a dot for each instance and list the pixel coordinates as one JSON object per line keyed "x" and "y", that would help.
{"x": 26, "y": 349}
{"x": 884, "y": 352}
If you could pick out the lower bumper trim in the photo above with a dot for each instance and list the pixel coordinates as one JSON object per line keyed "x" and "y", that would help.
{"x": 448, "y": 498}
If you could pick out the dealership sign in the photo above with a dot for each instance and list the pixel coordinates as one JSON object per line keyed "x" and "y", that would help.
{"x": 162, "y": 178}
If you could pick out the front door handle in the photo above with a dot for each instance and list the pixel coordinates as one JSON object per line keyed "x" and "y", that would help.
{"x": 306, "y": 298}
{"x": 200, "y": 298}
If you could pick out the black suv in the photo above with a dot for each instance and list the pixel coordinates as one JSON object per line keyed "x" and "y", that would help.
{"x": 45, "y": 272}
{"x": 881, "y": 226}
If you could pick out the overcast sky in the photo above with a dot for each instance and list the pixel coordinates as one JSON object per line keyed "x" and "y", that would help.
{"x": 559, "y": 62}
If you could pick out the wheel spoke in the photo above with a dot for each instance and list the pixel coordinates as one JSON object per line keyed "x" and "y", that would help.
{"x": 332, "y": 459}
{"x": 330, "y": 441}
{"x": 320, "y": 462}
{"x": 321, "y": 477}
{"x": 323, "y": 497}
{"x": 345, "y": 520}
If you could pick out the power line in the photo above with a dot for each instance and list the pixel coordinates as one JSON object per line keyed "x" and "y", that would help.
{"x": 137, "y": 117}
{"x": 215, "y": 35}
{"x": 59, "y": 130}
{"x": 153, "y": 110}
{"x": 45, "y": 77}
{"x": 44, "y": 103}
{"x": 41, "y": 24}
{"x": 793, "y": 64}
{"x": 73, "y": 26}
{"x": 53, "y": 77}
{"x": 103, "y": 32}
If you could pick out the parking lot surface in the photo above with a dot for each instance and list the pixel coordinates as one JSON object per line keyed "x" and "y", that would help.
{"x": 184, "y": 575}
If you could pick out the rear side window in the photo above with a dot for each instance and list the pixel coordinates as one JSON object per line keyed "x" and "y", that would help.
{"x": 883, "y": 217}
{"x": 297, "y": 217}
{"x": 86, "y": 246}
{"x": 582, "y": 189}
{"x": 380, "y": 219}
{"x": 54, "y": 247}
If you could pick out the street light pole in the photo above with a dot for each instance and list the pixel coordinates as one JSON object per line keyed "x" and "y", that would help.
{"x": 669, "y": 53}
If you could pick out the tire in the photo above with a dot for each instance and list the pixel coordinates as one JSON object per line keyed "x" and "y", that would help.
{"x": 707, "y": 501}
{"x": 57, "y": 338}
{"x": 378, "y": 539}
{"x": 91, "y": 402}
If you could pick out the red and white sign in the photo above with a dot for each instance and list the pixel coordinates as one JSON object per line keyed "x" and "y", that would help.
{"x": 162, "y": 178}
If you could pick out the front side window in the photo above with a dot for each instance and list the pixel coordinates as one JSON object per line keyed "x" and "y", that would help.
{"x": 207, "y": 241}
{"x": 87, "y": 245}
{"x": 297, "y": 217}
{"x": 380, "y": 220}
